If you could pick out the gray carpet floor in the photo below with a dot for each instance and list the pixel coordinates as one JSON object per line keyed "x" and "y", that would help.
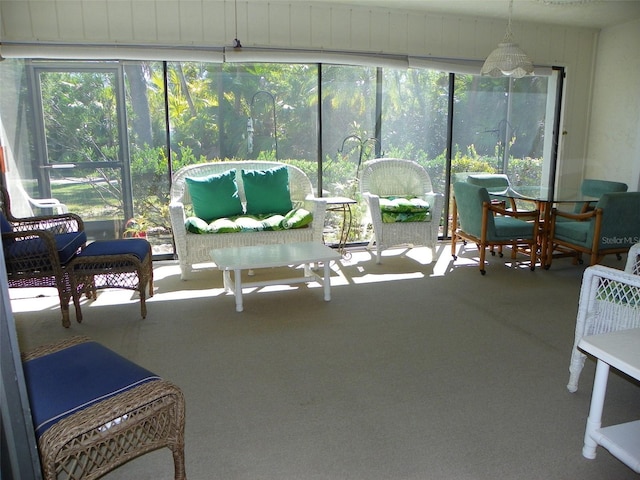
{"x": 416, "y": 369}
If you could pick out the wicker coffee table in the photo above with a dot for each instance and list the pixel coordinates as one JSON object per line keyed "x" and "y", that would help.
{"x": 237, "y": 259}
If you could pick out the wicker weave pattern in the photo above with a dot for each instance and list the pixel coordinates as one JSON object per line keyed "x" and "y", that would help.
{"x": 609, "y": 301}
{"x": 38, "y": 266}
{"x": 391, "y": 176}
{"x": 89, "y": 273}
{"x": 194, "y": 248}
{"x": 633, "y": 260}
{"x": 96, "y": 440}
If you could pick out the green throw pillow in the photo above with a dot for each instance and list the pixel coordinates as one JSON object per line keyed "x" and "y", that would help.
{"x": 267, "y": 191}
{"x": 297, "y": 218}
{"x": 215, "y": 196}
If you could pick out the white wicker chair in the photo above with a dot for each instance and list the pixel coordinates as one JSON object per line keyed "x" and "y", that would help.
{"x": 194, "y": 248}
{"x": 396, "y": 177}
{"x": 609, "y": 301}
{"x": 633, "y": 260}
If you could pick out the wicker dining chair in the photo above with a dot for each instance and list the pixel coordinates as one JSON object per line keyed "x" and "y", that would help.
{"x": 384, "y": 178}
{"x": 94, "y": 410}
{"x": 609, "y": 301}
{"x": 38, "y": 249}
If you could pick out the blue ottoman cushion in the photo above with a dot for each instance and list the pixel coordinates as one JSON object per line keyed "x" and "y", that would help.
{"x": 69, "y": 380}
{"x": 132, "y": 246}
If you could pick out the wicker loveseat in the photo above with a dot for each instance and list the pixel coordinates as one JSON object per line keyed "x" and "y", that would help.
{"x": 194, "y": 248}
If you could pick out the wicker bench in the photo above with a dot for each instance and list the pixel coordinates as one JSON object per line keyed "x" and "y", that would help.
{"x": 123, "y": 263}
{"x": 193, "y": 248}
{"x": 94, "y": 410}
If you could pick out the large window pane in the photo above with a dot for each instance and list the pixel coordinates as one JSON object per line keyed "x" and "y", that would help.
{"x": 96, "y": 135}
{"x": 500, "y": 126}
{"x": 414, "y": 119}
{"x": 348, "y": 139}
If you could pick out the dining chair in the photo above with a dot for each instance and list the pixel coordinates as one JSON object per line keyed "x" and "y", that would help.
{"x": 611, "y": 228}
{"x": 609, "y": 301}
{"x": 486, "y": 224}
{"x": 38, "y": 249}
{"x": 401, "y": 203}
{"x": 594, "y": 188}
{"x": 494, "y": 183}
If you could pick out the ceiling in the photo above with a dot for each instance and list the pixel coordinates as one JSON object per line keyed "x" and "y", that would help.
{"x": 575, "y": 13}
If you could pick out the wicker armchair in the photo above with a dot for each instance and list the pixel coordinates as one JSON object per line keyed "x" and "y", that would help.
{"x": 393, "y": 177}
{"x": 609, "y": 301}
{"x": 38, "y": 249}
{"x": 194, "y": 248}
{"x": 101, "y": 411}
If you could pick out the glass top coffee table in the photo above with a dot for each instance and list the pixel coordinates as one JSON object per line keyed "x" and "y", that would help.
{"x": 237, "y": 259}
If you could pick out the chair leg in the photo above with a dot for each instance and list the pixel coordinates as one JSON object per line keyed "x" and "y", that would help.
{"x": 483, "y": 253}
{"x": 64, "y": 297}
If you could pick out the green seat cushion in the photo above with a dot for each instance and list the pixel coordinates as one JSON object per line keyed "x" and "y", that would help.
{"x": 296, "y": 218}
{"x": 401, "y": 209}
{"x": 195, "y": 225}
{"x": 223, "y": 225}
{"x": 573, "y": 231}
{"x": 507, "y": 228}
{"x": 267, "y": 191}
{"x": 215, "y": 196}
{"x": 272, "y": 222}
{"x": 403, "y": 205}
{"x": 396, "y": 217}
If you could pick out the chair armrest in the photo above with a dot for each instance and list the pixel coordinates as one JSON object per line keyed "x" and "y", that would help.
{"x": 177, "y": 214}
{"x": 318, "y": 208}
{"x": 62, "y": 223}
{"x": 573, "y": 216}
{"x": 516, "y": 214}
{"x": 373, "y": 200}
{"x": 30, "y": 251}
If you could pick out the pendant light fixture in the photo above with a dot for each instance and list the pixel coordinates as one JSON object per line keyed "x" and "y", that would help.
{"x": 508, "y": 59}
{"x": 236, "y": 41}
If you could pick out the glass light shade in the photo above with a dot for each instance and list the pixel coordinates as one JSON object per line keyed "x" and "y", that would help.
{"x": 507, "y": 60}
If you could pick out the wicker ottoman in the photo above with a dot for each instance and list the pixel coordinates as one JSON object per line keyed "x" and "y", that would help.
{"x": 94, "y": 410}
{"x": 124, "y": 263}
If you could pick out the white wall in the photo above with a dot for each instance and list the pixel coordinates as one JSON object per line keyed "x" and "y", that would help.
{"x": 305, "y": 25}
{"x": 614, "y": 133}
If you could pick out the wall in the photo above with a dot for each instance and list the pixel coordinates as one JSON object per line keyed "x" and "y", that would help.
{"x": 614, "y": 139}
{"x": 305, "y": 25}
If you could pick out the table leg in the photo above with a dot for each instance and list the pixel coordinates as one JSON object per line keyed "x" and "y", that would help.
{"x": 226, "y": 280}
{"x": 238, "y": 289}
{"x": 327, "y": 281}
{"x": 594, "y": 421}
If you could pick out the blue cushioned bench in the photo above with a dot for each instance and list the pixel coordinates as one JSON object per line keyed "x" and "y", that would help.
{"x": 122, "y": 263}
{"x": 94, "y": 410}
